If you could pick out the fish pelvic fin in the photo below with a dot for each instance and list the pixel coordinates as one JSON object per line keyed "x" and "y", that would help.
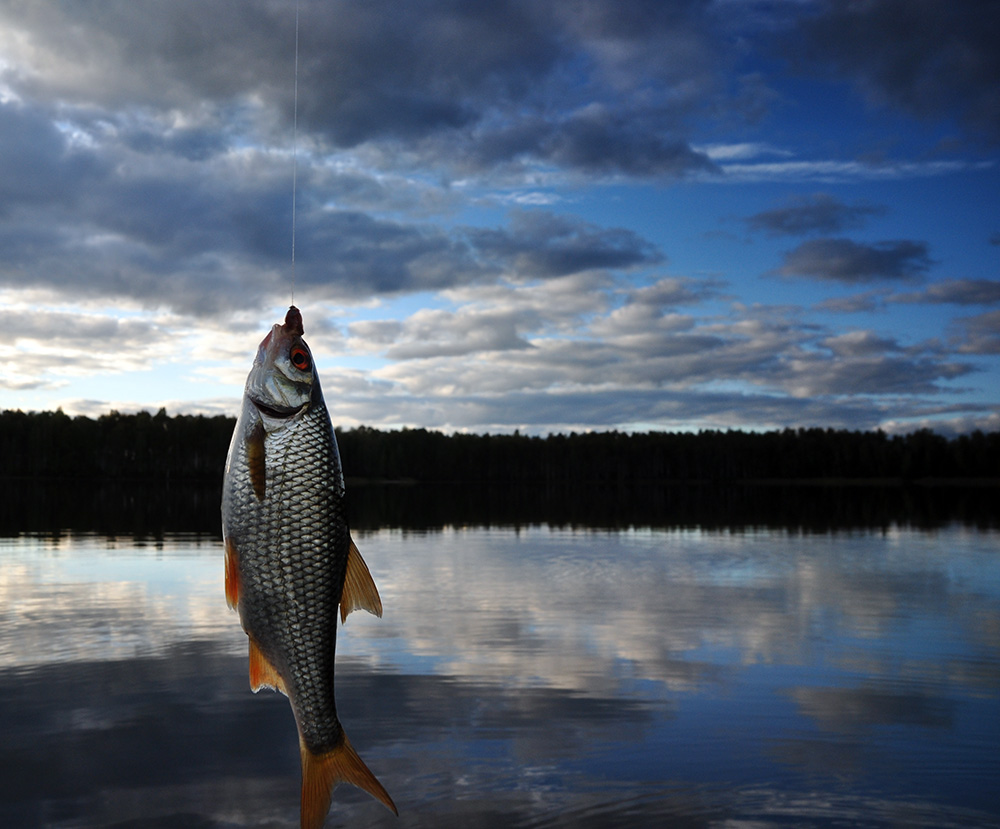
{"x": 262, "y": 673}
{"x": 359, "y": 587}
{"x": 322, "y": 772}
{"x": 232, "y": 574}
{"x": 255, "y": 460}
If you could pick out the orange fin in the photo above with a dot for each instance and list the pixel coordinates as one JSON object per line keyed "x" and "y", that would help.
{"x": 255, "y": 460}
{"x": 359, "y": 587}
{"x": 232, "y": 574}
{"x": 322, "y": 772}
{"x": 262, "y": 673}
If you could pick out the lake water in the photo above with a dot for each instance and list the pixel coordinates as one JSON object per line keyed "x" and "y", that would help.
{"x": 523, "y": 675}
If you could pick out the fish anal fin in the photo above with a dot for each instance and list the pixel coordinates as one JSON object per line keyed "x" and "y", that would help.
{"x": 322, "y": 772}
{"x": 359, "y": 587}
{"x": 232, "y": 574}
{"x": 255, "y": 460}
{"x": 262, "y": 673}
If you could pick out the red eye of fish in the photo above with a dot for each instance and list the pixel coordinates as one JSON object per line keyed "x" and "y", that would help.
{"x": 300, "y": 358}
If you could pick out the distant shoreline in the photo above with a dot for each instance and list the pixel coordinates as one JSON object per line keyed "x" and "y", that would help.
{"x": 180, "y": 448}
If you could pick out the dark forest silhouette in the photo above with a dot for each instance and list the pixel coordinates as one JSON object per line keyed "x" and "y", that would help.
{"x": 147, "y": 447}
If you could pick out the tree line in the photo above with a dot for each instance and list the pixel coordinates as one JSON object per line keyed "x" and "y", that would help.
{"x": 159, "y": 447}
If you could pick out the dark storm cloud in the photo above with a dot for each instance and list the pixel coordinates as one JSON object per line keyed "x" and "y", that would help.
{"x": 39, "y": 164}
{"x": 590, "y": 85}
{"x": 923, "y": 56}
{"x": 122, "y": 54}
{"x": 818, "y": 213}
{"x": 843, "y": 260}
{"x": 587, "y": 85}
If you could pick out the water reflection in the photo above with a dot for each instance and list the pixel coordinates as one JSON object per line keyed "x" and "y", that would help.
{"x": 530, "y": 676}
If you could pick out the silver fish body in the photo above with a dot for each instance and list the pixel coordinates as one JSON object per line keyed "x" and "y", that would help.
{"x": 290, "y": 560}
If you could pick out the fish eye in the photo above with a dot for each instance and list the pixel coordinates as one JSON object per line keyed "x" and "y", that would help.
{"x": 300, "y": 358}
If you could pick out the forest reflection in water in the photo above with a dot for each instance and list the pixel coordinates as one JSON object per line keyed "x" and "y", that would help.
{"x": 597, "y": 670}
{"x": 143, "y": 508}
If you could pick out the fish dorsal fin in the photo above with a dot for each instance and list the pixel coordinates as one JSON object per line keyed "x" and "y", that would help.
{"x": 359, "y": 587}
{"x": 255, "y": 460}
{"x": 232, "y": 574}
{"x": 262, "y": 673}
{"x": 322, "y": 772}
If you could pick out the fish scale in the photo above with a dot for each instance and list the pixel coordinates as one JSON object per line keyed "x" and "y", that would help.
{"x": 306, "y": 574}
{"x": 290, "y": 560}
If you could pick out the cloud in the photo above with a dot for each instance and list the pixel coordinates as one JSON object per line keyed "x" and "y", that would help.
{"x": 147, "y": 158}
{"x": 517, "y": 356}
{"x": 859, "y": 343}
{"x": 836, "y": 171}
{"x": 981, "y": 333}
{"x": 955, "y": 291}
{"x": 182, "y": 244}
{"x": 540, "y": 244}
{"x": 877, "y": 375}
{"x": 41, "y": 166}
{"x": 818, "y": 213}
{"x": 434, "y": 333}
{"x": 854, "y": 304}
{"x": 848, "y": 710}
{"x": 589, "y": 88}
{"x": 743, "y": 151}
{"x": 40, "y": 348}
{"x": 843, "y": 260}
{"x": 926, "y": 58}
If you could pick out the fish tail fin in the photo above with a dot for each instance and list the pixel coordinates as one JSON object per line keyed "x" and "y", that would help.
{"x": 322, "y": 772}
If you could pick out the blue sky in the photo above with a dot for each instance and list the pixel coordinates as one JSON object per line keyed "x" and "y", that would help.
{"x": 585, "y": 214}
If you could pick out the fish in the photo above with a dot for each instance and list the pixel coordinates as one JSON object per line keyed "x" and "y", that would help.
{"x": 290, "y": 561}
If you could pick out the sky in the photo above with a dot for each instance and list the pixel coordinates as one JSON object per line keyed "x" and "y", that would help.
{"x": 511, "y": 215}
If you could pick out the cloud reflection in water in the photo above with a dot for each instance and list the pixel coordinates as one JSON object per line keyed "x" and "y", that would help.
{"x": 532, "y": 677}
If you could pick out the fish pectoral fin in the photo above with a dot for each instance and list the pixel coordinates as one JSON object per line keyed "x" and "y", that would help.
{"x": 232, "y": 574}
{"x": 322, "y": 772}
{"x": 255, "y": 460}
{"x": 359, "y": 587}
{"x": 262, "y": 673}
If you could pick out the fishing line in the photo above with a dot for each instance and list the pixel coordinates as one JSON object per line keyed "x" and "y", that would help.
{"x": 295, "y": 143}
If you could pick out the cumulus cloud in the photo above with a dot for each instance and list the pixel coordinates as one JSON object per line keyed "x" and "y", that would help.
{"x": 490, "y": 362}
{"x": 843, "y": 260}
{"x": 858, "y": 343}
{"x": 818, "y": 213}
{"x": 981, "y": 333}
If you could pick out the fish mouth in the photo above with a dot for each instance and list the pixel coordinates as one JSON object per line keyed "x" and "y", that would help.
{"x": 279, "y": 412}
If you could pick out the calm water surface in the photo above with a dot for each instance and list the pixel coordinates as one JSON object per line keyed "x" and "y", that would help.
{"x": 522, "y": 677}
